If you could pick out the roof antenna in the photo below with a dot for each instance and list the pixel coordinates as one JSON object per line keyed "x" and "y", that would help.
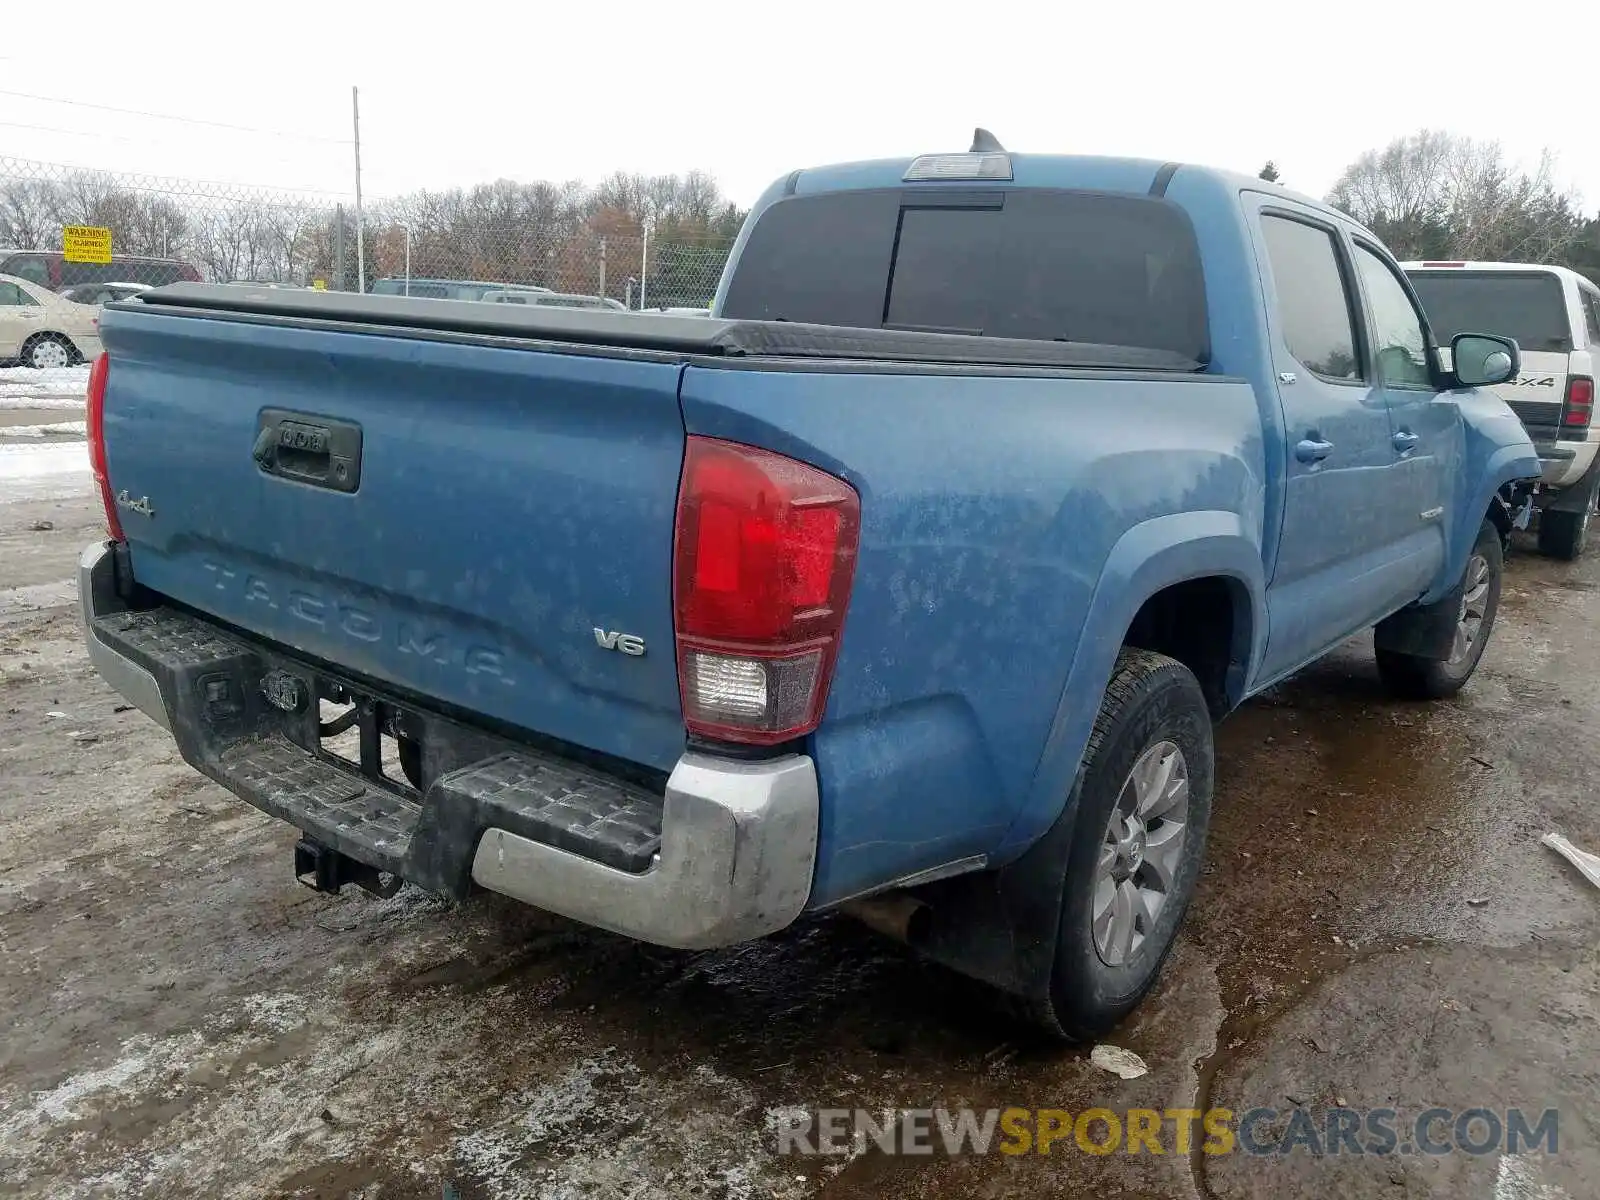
{"x": 984, "y": 142}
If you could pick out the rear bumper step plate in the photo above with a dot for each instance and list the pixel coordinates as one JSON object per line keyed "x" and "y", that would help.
{"x": 724, "y": 852}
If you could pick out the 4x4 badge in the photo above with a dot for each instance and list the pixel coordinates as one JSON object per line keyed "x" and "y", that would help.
{"x": 141, "y": 505}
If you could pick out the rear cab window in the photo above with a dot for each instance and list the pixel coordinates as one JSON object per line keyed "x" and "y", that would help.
{"x": 1051, "y": 265}
{"x": 1530, "y": 306}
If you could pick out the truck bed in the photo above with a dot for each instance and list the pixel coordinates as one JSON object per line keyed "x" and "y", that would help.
{"x": 515, "y": 510}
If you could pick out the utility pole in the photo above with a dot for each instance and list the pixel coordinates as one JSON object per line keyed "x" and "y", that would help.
{"x": 644, "y": 266}
{"x": 338, "y": 248}
{"x": 361, "y": 253}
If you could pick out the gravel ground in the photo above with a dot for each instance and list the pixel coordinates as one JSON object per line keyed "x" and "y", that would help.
{"x": 1378, "y": 925}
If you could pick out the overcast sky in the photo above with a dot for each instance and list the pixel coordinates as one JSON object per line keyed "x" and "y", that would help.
{"x": 468, "y": 91}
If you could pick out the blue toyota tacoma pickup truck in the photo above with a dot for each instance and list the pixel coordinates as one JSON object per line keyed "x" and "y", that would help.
{"x": 910, "y": 582}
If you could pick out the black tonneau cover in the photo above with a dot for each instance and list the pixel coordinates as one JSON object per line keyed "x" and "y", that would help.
{"x": 687, "y": 335}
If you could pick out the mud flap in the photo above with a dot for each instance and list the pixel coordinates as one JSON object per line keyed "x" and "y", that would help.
{"x": 1423, "y": 630}
{"x": 1000, "y": 927}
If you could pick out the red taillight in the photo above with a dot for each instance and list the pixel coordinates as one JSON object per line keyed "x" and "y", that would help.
{"x": 1578, "y": 407}
{"x": 765, "y": 549}
{"x": 96, "y": 425}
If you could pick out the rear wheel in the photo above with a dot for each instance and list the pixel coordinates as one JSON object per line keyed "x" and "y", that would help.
{"x": 1144, "y": 804}
{"x": 1563, "y": 534}
{"x": 1473, "y": 602}
{"x": 47, "y": 350}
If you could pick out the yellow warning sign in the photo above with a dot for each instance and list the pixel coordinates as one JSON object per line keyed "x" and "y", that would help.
{"x": 86, "y": 244}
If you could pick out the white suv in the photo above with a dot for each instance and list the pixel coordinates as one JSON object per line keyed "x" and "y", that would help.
{"x": 1554, "y": 314}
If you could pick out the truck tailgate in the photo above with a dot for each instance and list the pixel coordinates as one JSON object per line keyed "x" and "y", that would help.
{"x": 506, "y": 506}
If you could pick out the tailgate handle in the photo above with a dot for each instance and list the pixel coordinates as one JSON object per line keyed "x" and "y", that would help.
{"x": 309, "y": 449}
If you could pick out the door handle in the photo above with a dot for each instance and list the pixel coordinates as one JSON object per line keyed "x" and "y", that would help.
{"x": 1309, "y": 450}
{"x": 1405, "y": 441}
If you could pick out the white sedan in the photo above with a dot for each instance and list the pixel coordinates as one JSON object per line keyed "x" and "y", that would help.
{"x": 41, "y": 329}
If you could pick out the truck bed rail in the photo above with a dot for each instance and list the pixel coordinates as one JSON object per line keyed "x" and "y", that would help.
{"x": 685, "y": 336}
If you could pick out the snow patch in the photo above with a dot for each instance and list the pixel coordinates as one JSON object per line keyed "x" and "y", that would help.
{"x": 140, "y": 1056}
{"x": 44, "y": 471}
{"x": 604, "y": 1126}
{"x": 279, "y": 1013}
{"x": 33, "y": 597}
{"x": 57, "y": 429}
{"x": 59, "y": 388}
{"x": 1515, "y": 1180}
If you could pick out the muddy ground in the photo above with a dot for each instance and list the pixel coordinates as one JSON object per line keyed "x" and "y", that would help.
{"x": 1378, "y": 926}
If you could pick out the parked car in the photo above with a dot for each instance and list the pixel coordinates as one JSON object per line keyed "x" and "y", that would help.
{"x": 101, "y": 293}
{"x": 41, "y": 329}
{"x": 447, "y": 289}
{"x": 50, "y": 269}
{"x": 553, "y": 300}
{"x": 910, "y": 584}
{"x": 1554, "y": 314}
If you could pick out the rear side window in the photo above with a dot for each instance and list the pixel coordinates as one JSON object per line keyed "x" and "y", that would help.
{"x": 1591, "y": 310}
{"x": 1313, "y": 297}
{"x": 1529, "y": 306}
{"x": 1050, "y": 265}
{"x": 35, "y": 268}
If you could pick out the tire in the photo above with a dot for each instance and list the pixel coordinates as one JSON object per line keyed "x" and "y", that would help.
{"x": 1103, "y": 965}
{"x": 1563, "y": 534}
{"x": 46, "y": 350}
{"x": 1414, "y": 678}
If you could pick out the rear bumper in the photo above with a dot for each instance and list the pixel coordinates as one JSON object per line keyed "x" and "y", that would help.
{"x": 723, "y": 855}
{"x": 1563, "y": 463}
{"x": 738, "y": 841}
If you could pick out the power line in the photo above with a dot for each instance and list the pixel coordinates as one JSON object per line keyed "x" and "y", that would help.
{"x": 134, "y": 112}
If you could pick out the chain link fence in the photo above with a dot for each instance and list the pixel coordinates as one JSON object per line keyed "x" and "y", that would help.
{"x": 631, "y": 242}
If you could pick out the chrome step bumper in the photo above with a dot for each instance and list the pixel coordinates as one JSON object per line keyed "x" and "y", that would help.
{"x": 725, "y": 855}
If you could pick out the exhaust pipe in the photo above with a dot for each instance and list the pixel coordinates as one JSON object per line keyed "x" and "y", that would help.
{"x": 898, "y": 915}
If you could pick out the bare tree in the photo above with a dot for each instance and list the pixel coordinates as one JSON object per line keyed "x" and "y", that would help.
{"x": 566, "y": 236}
{"x": 1441, "y": 195}
{"x": 27, "y": 214}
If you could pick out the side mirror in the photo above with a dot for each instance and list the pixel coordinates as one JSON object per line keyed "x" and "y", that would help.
{"x": 1483, "y": 360}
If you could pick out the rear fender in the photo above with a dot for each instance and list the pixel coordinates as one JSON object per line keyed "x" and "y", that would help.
{"x": 1150, "y": 556}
